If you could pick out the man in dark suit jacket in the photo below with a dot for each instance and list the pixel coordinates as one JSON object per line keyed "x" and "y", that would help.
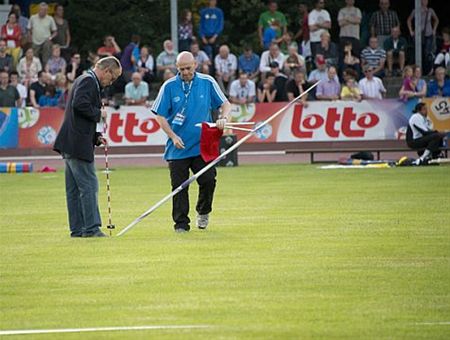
{"x": 76, "y": 141}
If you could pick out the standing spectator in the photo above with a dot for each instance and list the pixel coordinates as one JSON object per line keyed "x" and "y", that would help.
{"x": 266, "y": 90}
{"x": 443, "y": 57}
{"x": 395, "y": 47}
{"x": 242, "y": 90}
{"x": 42, "y": 29}
{"x": 9, "y": 96}
{"x": 267, "y": 57}
{"x": 28, "y": 68}
{"x": 329, "y": 89}
{"x": 267, "y": 18}
{"x": 439, "y": 86}
{"x": 349, "y": 19}
{"x": 23, "y": 23}
{"x": 62, "y": 37}
{"x": 350, "y": 91}
{"x": 211, "y": 26}
{"x": 296, "y": 86}
{"x": 279, "y": 82}
{"x": 74, "y": 69}
{"x": 56, "y": 64}
{"x": 294, "y": 61}
{"x": 270, "y": 34}
{"x": 249, "y": 63}
{"x": 374, "y": 57}
{"x": 146, "y": 65}
{"x": 166, "y": 59}
{"x": 23, "y": 92}
{"x": 328, "y": 49}
{"x": 109, "y": 48}
{"x": 202, "y": 59}
{"x": 371, "y": 87}
{"x": 351, "y": 60}
{"x": 6, "y": 61}
{"x": 319, "y": 21}
{"x": 302, "y": 35}
{"x": 136, "y": 91}
{"x": 37, "y": 89}
{"x": 127, "y": 59}
{"x": 185, "y": 31}
{"x": 382, "y": 21}
{"x": 225, "y": 64}
{"x": 12, "y": 34}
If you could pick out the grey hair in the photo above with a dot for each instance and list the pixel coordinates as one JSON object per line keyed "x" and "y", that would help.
{"x": 108, "y": 63}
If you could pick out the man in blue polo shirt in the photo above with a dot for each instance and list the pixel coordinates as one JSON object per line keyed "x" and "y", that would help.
{"x": 211, "y": 26}
{"x": 183, "y": 102}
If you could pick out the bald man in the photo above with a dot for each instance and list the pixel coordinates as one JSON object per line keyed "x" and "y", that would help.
{"x": 184, "y": 101}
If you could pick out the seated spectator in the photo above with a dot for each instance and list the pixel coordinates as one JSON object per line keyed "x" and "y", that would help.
{"x": 167, "y": 59}
{"x": 168, "y": 73}
{"x": 266, "y": 90}
{"x": 294, "y": 61}
{"x": 242, "y": 90}
{"x": 146, "y": 65}
{"x": 421, "y": 84}
{"x": 267, "y": 57}
{"x": 371, "y": 87}
{"x": 185, "y": 31}
{"x": 225, "y": 65}
{"x": 50, "y": 97}
{"x": 56, "y": 64}
{"x": 249, "y": 63}
{"x": 286, "y": 40}
{"x": 279, "y": 82}
{"x": 296, "y": 86}
{"x": 328, "y": 49}
{"x": 350, "y": 90}
{"x": 92, "y": 59}
{"x": 443, "y": 56}
{"x": 28, "y": 68}
{"x": 329, "y": 89}
{"x": 74, "y": 69}
{"x": 62, "y": 37}
{"x": 439, "y": 86}
{"x": 202, "y": 59}
{"x": 320, "y": 73}
{"x": 351, "y": 60}
{"x": 37, "y": 89}
{"x": 395, "y": 47}
{"x": 23, "y": 91}
{"x": 12, "y": 34}
{"x": 136, "y": 91}
{"x": 6, "y": 61}
{"x": 421, "y": 135}
{"x": 109, "y": 48}
{"x": 9, "y": 96}
{"x": 374, "y": 57}
{"x": 62, "y": 90}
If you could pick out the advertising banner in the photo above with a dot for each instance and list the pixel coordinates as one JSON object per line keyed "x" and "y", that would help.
{"x": 9, "y": 128}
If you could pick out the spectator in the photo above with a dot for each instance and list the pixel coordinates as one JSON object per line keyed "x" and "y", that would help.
{"x": 56, "y": 64}
{"x": 23, "y": 23}
{"x": 23, "y": 91}
{"x": 37, "y": 89}
{"x": 28, "y": 68}
{"x": 429, "y": 23}
{"x": 329, "y": 89}
{"x": 185, "y": 31}
{"x": 279, "y": 82}
{"x": 294, "y": 61}
{"x": 202, "y": 59}
{"x": 211, "y": 26}
{"x": 328, "y": 49}
{"x": 6, "y": 61}
{"x": 268, "y": 17}
{"x": 62, "y": 90}
{"x": 408, "y": 88}
{"x": 146, "y": 65}
{"x": 249, "y": 63}
{"x": 12, "y": 34}
{"x": 166, "y": 59}
{"x": 242, "y": 90}
{"x": 226, "y": 66}
{"x": 92, "y": 59}
{"x": 443, "y": 57}
{"x": 374, "y": 57}
{"x": 9, "y": 96}
{"x": 42, "y": 29}
{"x": 319, "y": 21}
{"x": 270, "y": 34}
{"x": 109, "y": 48}
{"x": 266, "y": 90}
{"x": 267, "y": 57}
{"x": 127, "y": 59}
{"x": 168, "y": 73}
{"x": 349, "y": 19}
{"x": 62, "y": 37}
{"x": 320, "y": 73}
{"x": 296, "y": 86}
{"x": 371, "y": 87}
{"x": 439, "y": 86}
{"x": 286, "y": 40}
{"x": 50, "y": 97}
{"x": 395, "y": 47}
{"x": 74, "y": 69}
{"x": 421, "y": 84}
{"x": 302, "y": 35}
{"x": 136, "y": 91}
{"x": 382, "y": 21}
{"x": 350, "y": 91}
{"x": 351, "y": 60}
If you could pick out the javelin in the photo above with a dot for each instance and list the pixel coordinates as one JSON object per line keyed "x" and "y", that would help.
{"x": 186, "y": 183}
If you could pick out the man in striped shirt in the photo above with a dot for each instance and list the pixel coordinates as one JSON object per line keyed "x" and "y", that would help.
{"x": 371, "y": 87}
{"x": 374, "y": 57}
{"x": 382, "y": 22}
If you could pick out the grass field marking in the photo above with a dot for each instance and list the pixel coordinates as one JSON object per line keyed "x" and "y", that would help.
{"x": 99, "y": 329}
{"x": 434, "y": 323}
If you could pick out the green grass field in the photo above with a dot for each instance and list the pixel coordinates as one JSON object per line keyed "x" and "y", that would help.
{"x": 291, "y": 252}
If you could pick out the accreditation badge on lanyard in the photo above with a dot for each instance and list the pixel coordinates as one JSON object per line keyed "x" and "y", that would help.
{"x": 180, "y": 117}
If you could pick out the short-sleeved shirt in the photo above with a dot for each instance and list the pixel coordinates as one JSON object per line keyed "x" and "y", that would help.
{"x": 328, "y": 88}
{"x": 164, "y": 59}
{"x": 8, "y": 96}
{"x": 372, "y": 88}
{"x": 201, "y": 58}
{"x": 185, "y": 105}
{"x": 425, "y": 22}
{"x": 292, "y": 87}
{"x": 350, "y": 30}
{"x": 395, "y": 45}
{"x": 373, "y": 57}
{"x": 347, "y": 92}
{"x": 39, "y": 90}
{"x": 136, "y": 92}
{"x": 384, "y": 21}
{"x": 6, "y": 63}
{"x": 42, "y": 28}
{"x": 61, "y": 36}
{"x": 249, "y": 65}
{"x": 434, "y": 89}
{"x": 55, "y": 65}
{"x": 228, "y": 65}
{"x": 267, "y": 17}
{"x": 242, "y": 92}
{"x": 317, "y": 17}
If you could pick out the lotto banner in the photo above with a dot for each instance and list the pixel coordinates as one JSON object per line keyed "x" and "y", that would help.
{"x": 9, "y": 128}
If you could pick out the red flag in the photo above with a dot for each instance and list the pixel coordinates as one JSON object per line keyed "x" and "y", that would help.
{"x": 209, "y": 142}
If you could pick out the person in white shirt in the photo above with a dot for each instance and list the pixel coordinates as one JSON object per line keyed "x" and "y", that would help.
{"x": 319, "y": 21}
{"x": 136, "y": 91}
{"x": 242, "y": 90}
{"x": 421, "y": 136}
{"x": 23, "y": 92}
{"x": 371, "y": 87}
{"x": 226, "y": 65}
{"x": 269, "y": 56}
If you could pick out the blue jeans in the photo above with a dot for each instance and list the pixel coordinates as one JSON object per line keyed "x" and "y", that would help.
{"x": 82, "y": 197}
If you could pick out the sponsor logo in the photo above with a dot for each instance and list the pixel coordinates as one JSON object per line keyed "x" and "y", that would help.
{"x": 130, "y": 128}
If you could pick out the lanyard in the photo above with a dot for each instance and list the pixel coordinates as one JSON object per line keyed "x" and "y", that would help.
{"x": 187, "y": 92}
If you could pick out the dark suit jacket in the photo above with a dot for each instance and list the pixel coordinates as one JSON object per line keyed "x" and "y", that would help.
{"x": 77, "y": 136}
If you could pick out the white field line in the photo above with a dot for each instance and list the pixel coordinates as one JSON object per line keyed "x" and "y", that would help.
{"x": 99, "y": 329}
{"x": 434, "y": 323}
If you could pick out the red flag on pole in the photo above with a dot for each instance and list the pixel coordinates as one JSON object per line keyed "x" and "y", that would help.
{"x": 209, "y": 142}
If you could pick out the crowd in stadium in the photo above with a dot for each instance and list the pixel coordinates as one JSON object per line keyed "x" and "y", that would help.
{"x": 38, "y": 64}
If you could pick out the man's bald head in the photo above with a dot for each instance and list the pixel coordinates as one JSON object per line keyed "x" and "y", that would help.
{"x": 185, "y": 57}
{"x": 186, "y": 65}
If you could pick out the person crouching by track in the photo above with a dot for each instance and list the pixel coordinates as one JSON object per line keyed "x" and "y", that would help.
{"x": 76, "y": 141}
{"x": 182, "y": 102}
{"x": 422, "y": 137}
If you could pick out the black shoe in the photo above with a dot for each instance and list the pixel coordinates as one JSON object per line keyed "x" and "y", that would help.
{"x": 98, "y": 233}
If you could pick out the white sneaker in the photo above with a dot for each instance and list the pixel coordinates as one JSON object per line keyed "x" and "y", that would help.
{"x": 202, "y": 221}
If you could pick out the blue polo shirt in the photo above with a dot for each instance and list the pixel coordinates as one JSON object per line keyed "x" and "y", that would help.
{"x": 250, "y": 65}
{"x": 185, "y": 105}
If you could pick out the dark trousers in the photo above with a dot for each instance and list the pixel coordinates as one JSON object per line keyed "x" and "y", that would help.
{"x": 431, "y": 142}
{"x": 179, "y": 172}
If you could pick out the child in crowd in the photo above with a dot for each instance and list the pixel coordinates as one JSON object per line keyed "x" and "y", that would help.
{"x": 409, "y": 84}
